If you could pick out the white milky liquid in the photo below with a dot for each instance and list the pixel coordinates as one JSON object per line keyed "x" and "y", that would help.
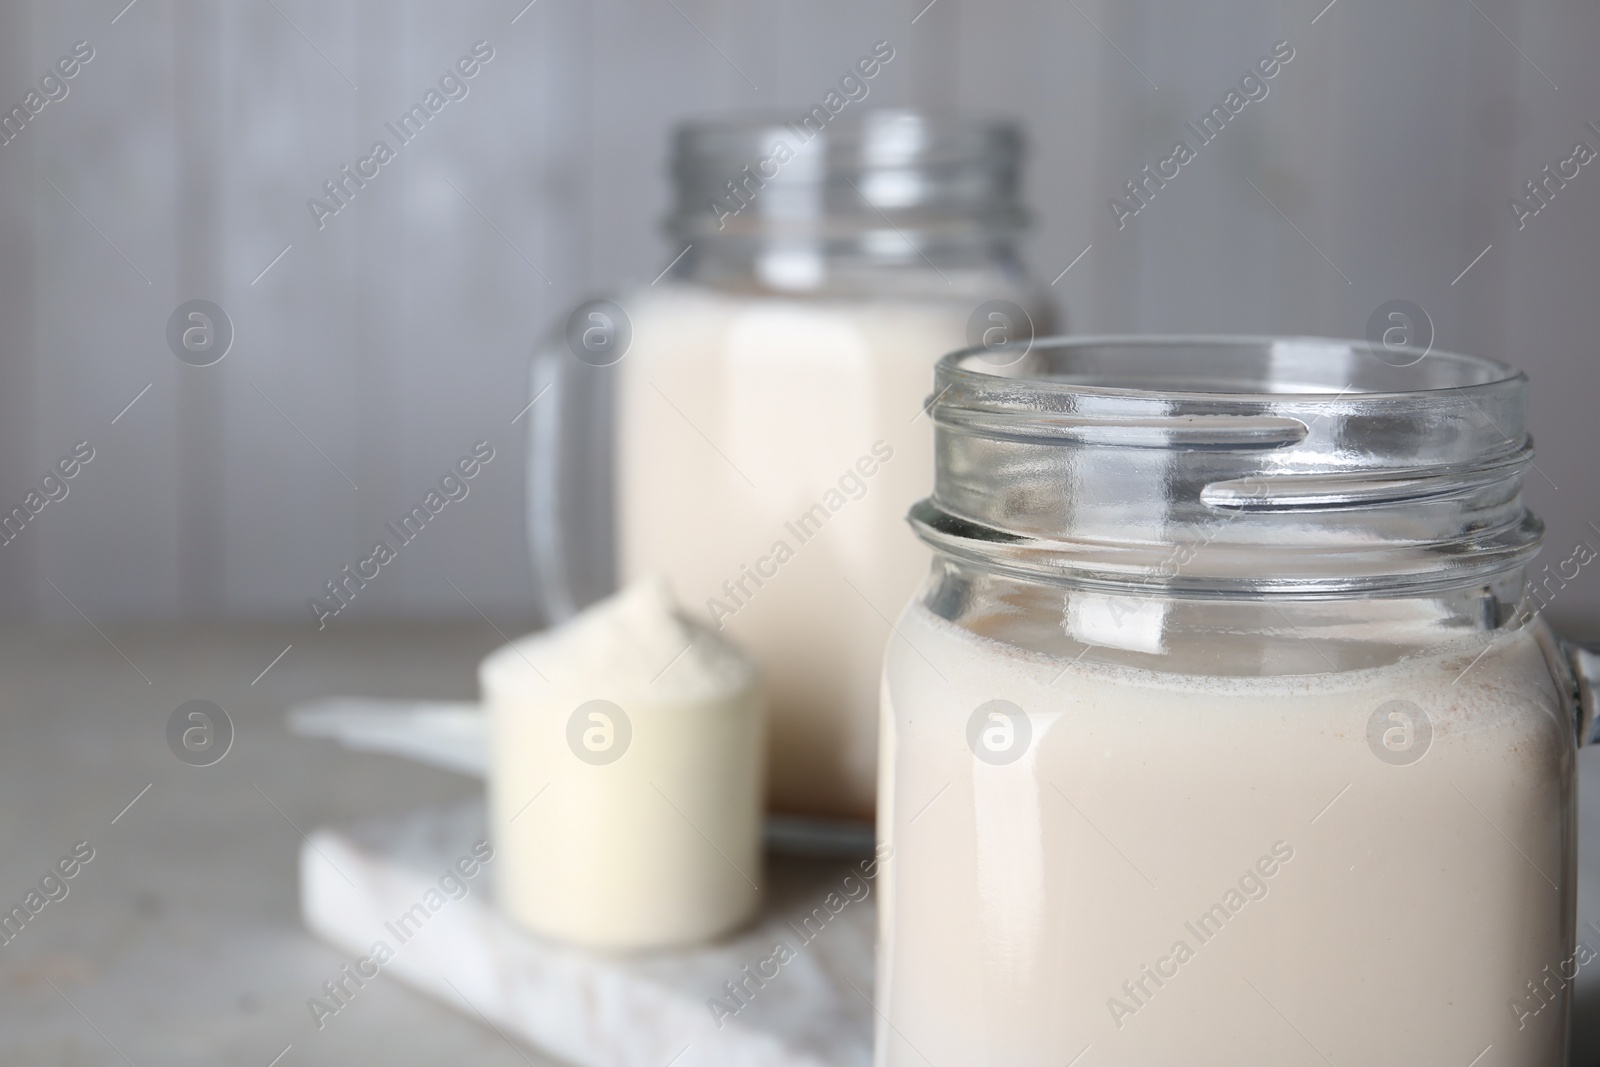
{"x": 739, "y": 415}
{"x": 1405, "y": 909}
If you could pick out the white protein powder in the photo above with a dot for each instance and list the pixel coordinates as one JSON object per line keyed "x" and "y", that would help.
{"x": 625, "y": 782}
{"x": 768, "y": 450}
{"x": 1205, "y": 871}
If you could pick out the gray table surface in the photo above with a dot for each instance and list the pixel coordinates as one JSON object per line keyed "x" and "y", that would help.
{"x": 180, "y": 942}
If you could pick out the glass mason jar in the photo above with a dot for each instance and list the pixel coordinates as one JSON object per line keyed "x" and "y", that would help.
{"x": 1224, "y": 723}
{"x": 749, "y": 424}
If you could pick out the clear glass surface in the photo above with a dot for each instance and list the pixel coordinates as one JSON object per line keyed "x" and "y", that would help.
{"x": 761, "y": 438}
{"x": 1221, "y": 731}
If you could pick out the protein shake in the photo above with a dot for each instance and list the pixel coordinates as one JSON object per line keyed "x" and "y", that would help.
{"x": 1185, "y": 868}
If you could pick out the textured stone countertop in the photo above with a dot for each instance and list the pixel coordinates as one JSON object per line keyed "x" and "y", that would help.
{"x": 181, "y": 941}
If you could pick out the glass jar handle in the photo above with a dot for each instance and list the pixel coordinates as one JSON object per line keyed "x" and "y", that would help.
{"x": 569, "y": 482}
{"x": 1584, "y": 661}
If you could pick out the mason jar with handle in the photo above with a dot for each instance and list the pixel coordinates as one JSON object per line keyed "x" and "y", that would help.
{"x": 1225, "y": 728}
{"x": 750, "y": 425}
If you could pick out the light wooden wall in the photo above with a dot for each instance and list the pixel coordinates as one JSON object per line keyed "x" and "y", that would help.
{"x": 398, "y": 334}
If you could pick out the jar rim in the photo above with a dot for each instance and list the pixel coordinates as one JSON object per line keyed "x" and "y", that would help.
{"x": 979, "y": 365}
{"x": 876, "y": 137}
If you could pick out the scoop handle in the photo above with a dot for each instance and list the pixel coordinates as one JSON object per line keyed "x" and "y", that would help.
{"x": 454, "y": 736}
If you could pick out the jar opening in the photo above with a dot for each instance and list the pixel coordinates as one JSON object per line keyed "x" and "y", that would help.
{"x": 1242, "y": 367}
{"x": 1234, "y": 466}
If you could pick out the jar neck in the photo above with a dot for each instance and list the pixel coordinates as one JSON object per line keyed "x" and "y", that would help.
{"x": 961, "y": 261}
{"x": 872, "y": 200}
{"x": 1232, "y": 467}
